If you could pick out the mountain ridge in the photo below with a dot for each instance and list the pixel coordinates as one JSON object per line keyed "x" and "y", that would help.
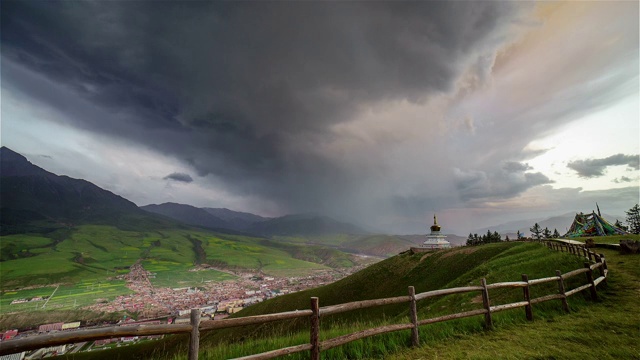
{"x": 30, "y": 193}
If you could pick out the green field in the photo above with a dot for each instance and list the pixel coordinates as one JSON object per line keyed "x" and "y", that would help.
{"x": 240, "y": 252}
{"x": 173, "y": 274}
{"x": 65, "y": 298}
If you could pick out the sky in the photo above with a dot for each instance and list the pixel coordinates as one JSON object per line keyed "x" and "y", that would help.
{"x": 375, "y": 113}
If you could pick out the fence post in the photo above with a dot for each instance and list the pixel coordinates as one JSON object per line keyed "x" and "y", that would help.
{"x": 565, "y": 305}
{"x": 194, "y": 341}
{"x": 592, "y": 289}
{"x": 487, "y": 305}
{"x": 413, "y": 313}
{"x": 604, "y": 269}
{"x": 584, "y": 252}
{"x": 315, "y": 329}
{"x": 527, "y": 297}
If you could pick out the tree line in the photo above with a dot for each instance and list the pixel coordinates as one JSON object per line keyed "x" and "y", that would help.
{"x": 538, "y": 233}
{"x": 633, "y": 222}
{"x": 487, "y": 238}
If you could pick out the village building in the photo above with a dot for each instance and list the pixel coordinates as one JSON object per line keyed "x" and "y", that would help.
{"x": 435, "y": 240}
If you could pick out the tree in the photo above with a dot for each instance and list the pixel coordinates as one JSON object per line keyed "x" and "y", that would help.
{"x": 496, "y": 237}
{"x": 633, "y": 219}
{"x": 546, "y": 233}
{"x": 556, "y": 234}
{"x": 536, "y": 231}
{"x": 506, "y": 238}
{"x": 470, "y": 240}
{"x": 621, "y": 226}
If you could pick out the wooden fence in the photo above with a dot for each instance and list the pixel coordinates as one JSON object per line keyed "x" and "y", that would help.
{"x": 315, "y": 346}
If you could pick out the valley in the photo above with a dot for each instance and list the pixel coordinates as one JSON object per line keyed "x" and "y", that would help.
{"x": 148, "y": 274}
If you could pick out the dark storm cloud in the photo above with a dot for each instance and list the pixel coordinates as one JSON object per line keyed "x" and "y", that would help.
{"x": 591, "y": 168}
{"x": 245, "y": 91}
{"x": 502, "y": 184}
{"x": 622, "y": 179}
{"x": 512, "y": 166}
{"x": 176, "y": 176}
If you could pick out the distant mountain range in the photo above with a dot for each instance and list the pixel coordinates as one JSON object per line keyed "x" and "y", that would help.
{"x": 288, "y": 225}
{"x": 304, "y": 224}
{"x": 188, "y": 214}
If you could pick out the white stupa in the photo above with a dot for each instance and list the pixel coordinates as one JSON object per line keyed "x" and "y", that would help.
{"x": 436, "y": 240}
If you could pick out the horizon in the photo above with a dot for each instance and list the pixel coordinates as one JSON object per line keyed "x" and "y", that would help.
{"x": 376, "y": 114}
{"x": 500, "y": 228}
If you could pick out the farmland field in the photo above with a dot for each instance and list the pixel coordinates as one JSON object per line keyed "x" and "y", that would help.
{"x": 172, "y": 274}
{"x": 66, "y": 297}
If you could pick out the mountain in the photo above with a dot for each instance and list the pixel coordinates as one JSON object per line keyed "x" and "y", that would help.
{"x": 188, "y": 214}
{"x": 239, "y": 220}
{"x": 29, "y": 193}
{"x": 303, "y": 225}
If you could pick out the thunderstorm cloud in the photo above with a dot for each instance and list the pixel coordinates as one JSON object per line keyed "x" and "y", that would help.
{"x": 373, "y": 112}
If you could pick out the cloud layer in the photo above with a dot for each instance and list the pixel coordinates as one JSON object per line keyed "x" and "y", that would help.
{"x": 596, "y": 167}
{"x": 373, "y": 112}
{"x": 181, "y": 177}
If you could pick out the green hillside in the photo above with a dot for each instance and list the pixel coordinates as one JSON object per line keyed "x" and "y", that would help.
{"x": 388, "y": 278}
{"x": 374, "y": 245}
{"x": 429, "y": 271}
{"x": 94, "y": 252}
{"x": 391, "y": 277}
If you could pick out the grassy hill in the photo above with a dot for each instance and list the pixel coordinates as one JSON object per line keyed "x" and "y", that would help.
{"x": 391, "y": 277}
{"x": 373, "y": 245}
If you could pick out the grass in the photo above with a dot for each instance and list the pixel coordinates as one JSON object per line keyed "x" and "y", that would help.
{"x": 377, "y": 245}
{"x": 172, "y": 274}
{"x": 67, "y": 297}
{"x": 607, "y": 329}
{"x": 235, "y": 252}
{"x": 613, "y": 239}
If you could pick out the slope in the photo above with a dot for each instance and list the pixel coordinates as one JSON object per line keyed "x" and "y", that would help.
{"x": 391, "y": 277}
{"x": 607, "y": 329}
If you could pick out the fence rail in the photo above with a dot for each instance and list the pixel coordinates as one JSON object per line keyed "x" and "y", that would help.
{"x": 315, "y": 313}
